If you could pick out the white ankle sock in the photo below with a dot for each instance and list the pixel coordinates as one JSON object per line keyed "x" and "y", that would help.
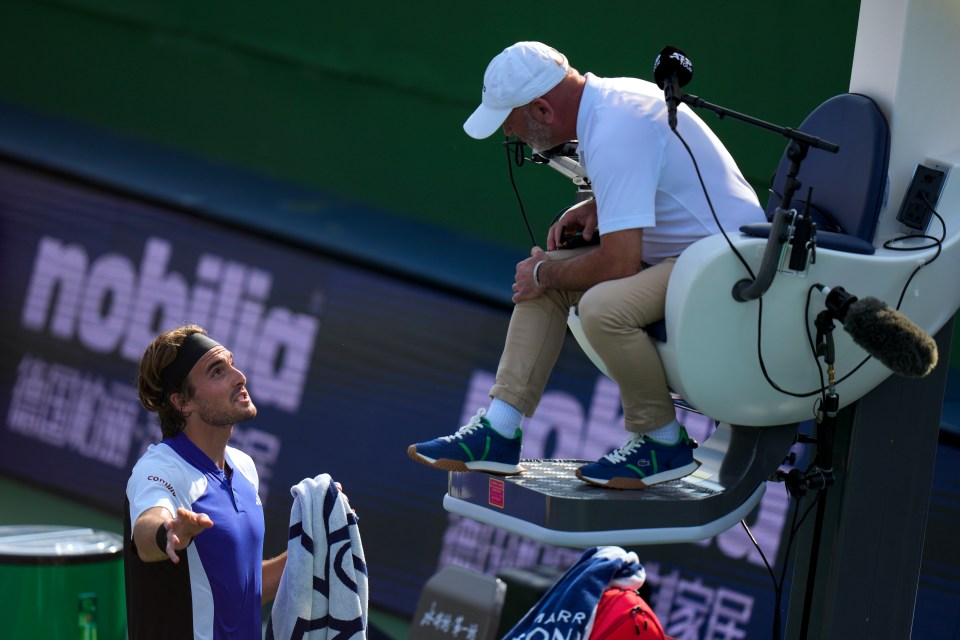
{"x": 667, "y": 434}
{"x": 504, "y": 418}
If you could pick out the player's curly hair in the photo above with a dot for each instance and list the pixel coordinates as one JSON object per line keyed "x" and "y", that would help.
{"x": 158, "y": 355}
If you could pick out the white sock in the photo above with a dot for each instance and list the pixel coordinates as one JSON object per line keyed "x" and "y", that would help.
{"x": 504, "y": 418}
{"x": 667, "y": 434}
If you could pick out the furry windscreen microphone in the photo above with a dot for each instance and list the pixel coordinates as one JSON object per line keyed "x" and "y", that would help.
{"x": 890, "y": 337}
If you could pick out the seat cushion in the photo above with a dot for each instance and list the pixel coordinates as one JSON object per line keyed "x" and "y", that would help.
{"x": 825, "y": 239}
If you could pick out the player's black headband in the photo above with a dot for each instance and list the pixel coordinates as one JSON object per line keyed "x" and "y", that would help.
{"x": 188, "y": 354}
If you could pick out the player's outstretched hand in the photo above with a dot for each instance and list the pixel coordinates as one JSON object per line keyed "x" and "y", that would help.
{"x": 182, "y": 529}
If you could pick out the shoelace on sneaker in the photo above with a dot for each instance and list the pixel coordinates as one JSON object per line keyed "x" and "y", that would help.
{"x": 620, "y": 455}
{"x": 468, "y": 428}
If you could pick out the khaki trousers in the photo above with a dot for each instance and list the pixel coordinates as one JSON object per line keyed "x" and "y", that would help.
{"x": 612, "y": 314}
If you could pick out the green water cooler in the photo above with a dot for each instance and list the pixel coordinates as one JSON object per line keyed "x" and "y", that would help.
{"x": 61, "y": 583}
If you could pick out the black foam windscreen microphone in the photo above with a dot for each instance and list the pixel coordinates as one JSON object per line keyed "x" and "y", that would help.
{"x": 884, "y": 333}
{"x": 671, "y": 70}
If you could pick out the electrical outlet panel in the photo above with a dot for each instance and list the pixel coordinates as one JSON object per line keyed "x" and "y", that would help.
{"x": 922, "y": 197}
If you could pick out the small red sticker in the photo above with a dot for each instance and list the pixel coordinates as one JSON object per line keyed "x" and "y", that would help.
{"x": 496, "y": 493}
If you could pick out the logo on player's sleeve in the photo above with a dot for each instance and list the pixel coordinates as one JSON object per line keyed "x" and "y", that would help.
{"x": 164, "y": 483}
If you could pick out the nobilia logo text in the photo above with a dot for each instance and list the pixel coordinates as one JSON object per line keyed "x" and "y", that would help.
{"x": 108, "y": 306}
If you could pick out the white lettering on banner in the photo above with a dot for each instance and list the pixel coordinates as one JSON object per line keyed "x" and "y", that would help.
{"x": 108, "y": 306}
{"x": 66, "y": 408}
{"x": 448, "y": 624}
{"x": 691, "y": 610}
{"x": 70, "y": 409}
{"x": 558, "y": 430}
{"x": 485, "y": 549}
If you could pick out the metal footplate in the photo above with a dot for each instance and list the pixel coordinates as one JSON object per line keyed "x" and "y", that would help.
{"x": 549, "y": 504}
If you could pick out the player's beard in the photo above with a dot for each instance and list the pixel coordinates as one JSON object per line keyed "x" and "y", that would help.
{"x": 220, "y": 416}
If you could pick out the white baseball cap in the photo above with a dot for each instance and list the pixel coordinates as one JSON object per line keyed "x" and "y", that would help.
{"x": 519, "y": 74}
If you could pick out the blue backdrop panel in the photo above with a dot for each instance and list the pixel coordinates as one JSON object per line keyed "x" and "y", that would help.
{"x": 347, "y": 366}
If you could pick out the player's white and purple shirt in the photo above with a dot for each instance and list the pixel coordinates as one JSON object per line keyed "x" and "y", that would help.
{"x": 215, "y": 590}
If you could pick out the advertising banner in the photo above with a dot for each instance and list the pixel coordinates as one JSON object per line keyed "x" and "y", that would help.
{"x": 347, "y": 366}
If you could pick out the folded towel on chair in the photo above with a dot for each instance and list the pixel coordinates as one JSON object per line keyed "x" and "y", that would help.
{"x": 323, "y": 591}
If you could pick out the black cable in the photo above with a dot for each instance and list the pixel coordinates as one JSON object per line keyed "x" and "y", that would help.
{"x": 936, "y": 242}
{"x": 832, "y": 224}
{"x": 813, "y": 566}
{"x": 797, "y": 524}
{"x": 778, "y": 594}
{"x": 813, "y": 348}
{"x": 779, "y": 584}
{"x": 795, "y": 527}
{"x": 762, "y": 555}
{"x": 773, "y": 577}
{"x": 706, "y": 195}
{"x": 733, "y": 248}
{"x": 518, "y": 160}
{"x": 763, "y": 364}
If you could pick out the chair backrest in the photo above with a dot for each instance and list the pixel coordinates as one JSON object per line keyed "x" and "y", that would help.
{"x": 850, "y": 186}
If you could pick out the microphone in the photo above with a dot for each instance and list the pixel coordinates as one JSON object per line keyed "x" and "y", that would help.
{"x": 672, "y": 70}
{"x": 884, "y": 333}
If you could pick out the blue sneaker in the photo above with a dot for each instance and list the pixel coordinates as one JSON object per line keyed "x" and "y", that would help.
{"x": 475, "y": 446}
{"x": 642, "y": 462}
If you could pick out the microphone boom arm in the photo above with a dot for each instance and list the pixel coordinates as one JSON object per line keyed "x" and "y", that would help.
{"x": 783, "y": 220}
{"x": 788, "y": 132}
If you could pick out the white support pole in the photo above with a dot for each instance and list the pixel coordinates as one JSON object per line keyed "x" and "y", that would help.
{"x": 906, "y": 58}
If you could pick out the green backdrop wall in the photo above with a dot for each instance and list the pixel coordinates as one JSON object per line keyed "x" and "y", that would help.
{"x": 367, "y": 99}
